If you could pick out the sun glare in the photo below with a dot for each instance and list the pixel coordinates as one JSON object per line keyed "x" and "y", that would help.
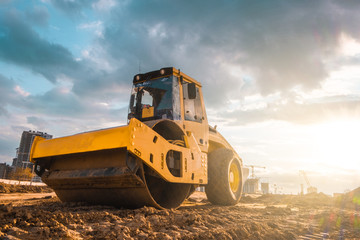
{"x": 337, "y": 144}
{"x": 348, "y": 45}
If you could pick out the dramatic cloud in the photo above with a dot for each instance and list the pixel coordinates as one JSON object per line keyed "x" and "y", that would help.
{"x": 72, "y": 8}
{"x": 259, "y": 62}
{"x": 300, "y": 113}
{"x": 232, "y": 47}
{"x": 21, "y": 45}
{"x": 39, "y": 15}
{"x": 6, "y": 94}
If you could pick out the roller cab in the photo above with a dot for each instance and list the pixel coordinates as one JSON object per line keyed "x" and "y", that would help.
{"x": 157, "y": 159}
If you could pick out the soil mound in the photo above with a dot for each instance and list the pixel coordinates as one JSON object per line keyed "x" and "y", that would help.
{"x": 355, "y": 192}
{"x": 9, "y": 188}
{"x": 350, "y": 199}
{"x": 308, "y": 200}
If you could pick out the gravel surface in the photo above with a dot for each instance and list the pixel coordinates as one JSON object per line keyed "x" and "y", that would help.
{"x": 315, "y": 216}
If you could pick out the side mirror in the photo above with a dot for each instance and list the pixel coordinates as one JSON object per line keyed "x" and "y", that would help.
{"x": 191, "y": 91}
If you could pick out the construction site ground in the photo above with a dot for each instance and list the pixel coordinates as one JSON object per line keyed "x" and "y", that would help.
{"x": 39, "y": 214}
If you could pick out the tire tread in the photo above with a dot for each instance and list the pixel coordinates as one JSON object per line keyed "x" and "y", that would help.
{"x": 217, "y": 190}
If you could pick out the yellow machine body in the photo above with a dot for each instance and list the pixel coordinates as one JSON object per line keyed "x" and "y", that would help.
{"x": 151, "y": 161}
{"x": 137, "y": 139}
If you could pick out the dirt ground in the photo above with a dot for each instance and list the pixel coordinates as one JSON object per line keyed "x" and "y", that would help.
{"x": 316, "y": 216}
{"x": 10, "y": 188}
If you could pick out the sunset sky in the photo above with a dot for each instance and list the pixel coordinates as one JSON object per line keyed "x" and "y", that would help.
{"x": 281, "y": 79}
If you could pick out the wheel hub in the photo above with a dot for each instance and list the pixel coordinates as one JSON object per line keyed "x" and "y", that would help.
{"x": 234, "y": 177}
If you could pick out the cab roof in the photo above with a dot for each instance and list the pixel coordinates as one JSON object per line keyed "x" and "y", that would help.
{"x": 163, "y": 72}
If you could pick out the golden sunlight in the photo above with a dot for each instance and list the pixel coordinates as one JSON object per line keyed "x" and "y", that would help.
{"x": 337, "y": 143}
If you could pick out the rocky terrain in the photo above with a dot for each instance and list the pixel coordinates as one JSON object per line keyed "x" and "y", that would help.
{"x": 314, "y": 216}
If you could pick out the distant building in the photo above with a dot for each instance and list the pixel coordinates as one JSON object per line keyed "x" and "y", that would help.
{"x": 23, "y": 151}
{"x": 15, "y": 159}
{"x": 311, "y": 189}
{"x": 251, "y": 185}
{"x": 5, "y": 170}
{"x": 265, "y": 188}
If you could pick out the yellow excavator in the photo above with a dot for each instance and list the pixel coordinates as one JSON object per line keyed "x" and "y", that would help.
{"x": 166, "y": 150}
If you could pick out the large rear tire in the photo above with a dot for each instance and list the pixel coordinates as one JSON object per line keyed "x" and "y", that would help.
{"x": 225, "y": 178}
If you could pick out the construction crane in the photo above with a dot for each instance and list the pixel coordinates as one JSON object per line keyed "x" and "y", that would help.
{"x": 310, "y": 189}
{"x": 252, "y": 169}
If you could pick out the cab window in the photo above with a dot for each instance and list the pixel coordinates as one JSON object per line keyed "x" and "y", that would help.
{"x": 192, "y": 107}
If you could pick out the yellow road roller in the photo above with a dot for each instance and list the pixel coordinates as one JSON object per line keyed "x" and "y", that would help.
{"x": 166, "y": 150}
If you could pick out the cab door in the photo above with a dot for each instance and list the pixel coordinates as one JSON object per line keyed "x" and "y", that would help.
{"x": 195, "y": 119}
